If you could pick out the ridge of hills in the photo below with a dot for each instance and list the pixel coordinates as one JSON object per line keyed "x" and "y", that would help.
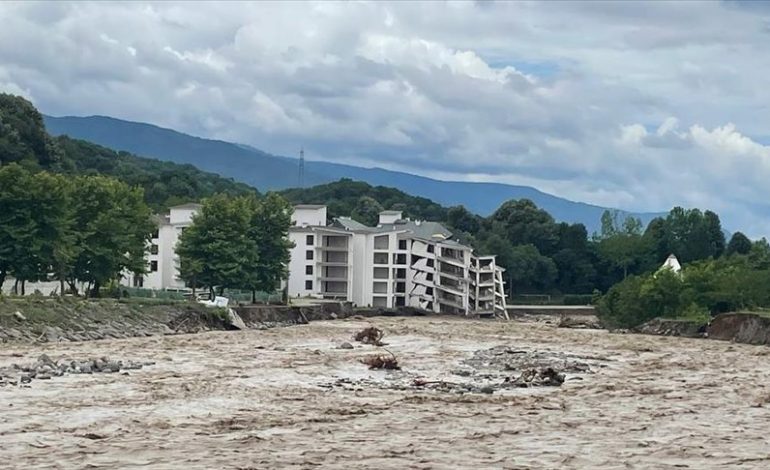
{"x": 271, "y": 172}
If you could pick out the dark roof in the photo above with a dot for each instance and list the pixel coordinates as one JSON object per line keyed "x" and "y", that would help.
{"x": 309, "y": 206}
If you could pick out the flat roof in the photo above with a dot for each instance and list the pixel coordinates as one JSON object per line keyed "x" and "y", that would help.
{"x": 187, "y": 205}
{"x": 309, "y": 206}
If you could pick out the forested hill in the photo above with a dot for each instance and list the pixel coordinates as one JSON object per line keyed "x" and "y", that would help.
{"x": 364, "y": 202}
{"x": 165, "y": 184}
{"x": 271, "y": 172}
{"x": 24, "y": 140}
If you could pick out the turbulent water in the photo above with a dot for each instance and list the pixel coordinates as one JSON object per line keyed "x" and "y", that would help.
{"x": 289, "y": 398}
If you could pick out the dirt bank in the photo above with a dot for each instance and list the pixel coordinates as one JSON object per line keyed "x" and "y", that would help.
{"x": 672, "y": 327}
{"x": 267, "y": 399}
{"x": 741, "y": 327}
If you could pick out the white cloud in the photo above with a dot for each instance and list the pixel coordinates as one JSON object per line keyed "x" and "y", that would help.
{"x": 610, "y": 103}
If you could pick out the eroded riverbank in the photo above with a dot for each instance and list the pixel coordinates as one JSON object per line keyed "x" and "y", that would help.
{"x": 266, "y": 399}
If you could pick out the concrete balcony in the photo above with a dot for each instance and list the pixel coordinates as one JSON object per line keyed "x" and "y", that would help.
{"x": 450, "y": 289}
{"x": 452, "y": 261}
{"x": 332, "y": 248}
{"x": 452, "y": 275}
{"x": 457, "y": 303}
{"x": 333, "y": 264}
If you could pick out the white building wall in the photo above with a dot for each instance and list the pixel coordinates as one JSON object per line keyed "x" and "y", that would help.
{"x": 309, "y": 216}
{"x": 360, "y": 269}
{"x": 298, "y": 263}
{"x": 153, "y": 279}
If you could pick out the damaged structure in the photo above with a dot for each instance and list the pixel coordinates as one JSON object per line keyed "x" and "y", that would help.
{"x": 398, "y": 263}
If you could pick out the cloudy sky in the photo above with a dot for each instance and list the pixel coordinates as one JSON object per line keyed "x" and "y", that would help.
{"x": 640, "y": 106}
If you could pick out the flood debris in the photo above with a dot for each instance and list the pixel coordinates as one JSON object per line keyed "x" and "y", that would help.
{"x": 544, "y": 377}
{"x": 370, "y": 335}
{"x": 507, "y": 358}
{"x": 580, "y": 322}
{"x": 46, "y": 368}
{"x": 486, "y": 371}
{"x": 382, "y": 361}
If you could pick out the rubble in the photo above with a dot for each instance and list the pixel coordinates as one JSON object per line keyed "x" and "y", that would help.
{"x": 580, "y": 322}
{"x": 345, "y": 345}
{"x": 46, "y": 368}
{"x": 545, "y": 377}
{"x": 371, "y": 336}
{"x": 509, "y": 359}
{"x": 486, "y": 371}
{"x": 382, "y": 361}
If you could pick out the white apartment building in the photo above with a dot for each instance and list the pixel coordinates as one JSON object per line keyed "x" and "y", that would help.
{"x": 163, "y": 262}
{"x": 399, "y": 262}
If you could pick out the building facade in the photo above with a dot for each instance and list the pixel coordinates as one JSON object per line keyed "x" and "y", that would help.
{"x": 162, "y": 260}
{"x": 398, "y": 263}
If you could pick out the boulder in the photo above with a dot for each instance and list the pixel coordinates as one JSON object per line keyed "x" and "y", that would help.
{"x": 235, "y": 320}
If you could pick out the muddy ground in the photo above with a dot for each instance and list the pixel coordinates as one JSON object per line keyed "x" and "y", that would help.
{"x": 289, "y": 398}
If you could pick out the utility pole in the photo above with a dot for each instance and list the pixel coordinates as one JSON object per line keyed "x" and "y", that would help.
{"x": 301, "y": 176}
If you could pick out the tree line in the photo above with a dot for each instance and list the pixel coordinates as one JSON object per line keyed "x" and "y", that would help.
{"x": 88, "y": 229}
{"x": 541, "y": 255}
{"x": 737, "y": 280}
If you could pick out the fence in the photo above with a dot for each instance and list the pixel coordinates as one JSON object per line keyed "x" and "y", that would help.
{"x": 235, "y": 295}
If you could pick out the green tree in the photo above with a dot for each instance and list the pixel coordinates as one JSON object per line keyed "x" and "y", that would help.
{"x": 739, "y": 244}
{"x": 529, "y": 270}
{"x": 524, "y": 223}
{"x": 56, "y": 233}
{"x": 367, "y": 210}
{"x": 113, "y": 227}
{"x": 22, "y": 134}
{"x": 693, "y": 235}
{"x": 18, "y": 244}
{"x": 269, "y": 231}
{"x": 460, "y": 218}
{"x": 216, "y": 251}
{"x": 623, "y": 250}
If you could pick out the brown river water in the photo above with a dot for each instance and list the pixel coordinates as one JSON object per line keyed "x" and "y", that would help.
{"x": 289, "y": 398}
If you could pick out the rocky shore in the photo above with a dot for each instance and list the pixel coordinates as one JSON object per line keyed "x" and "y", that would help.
{"x": 46, "y": 320}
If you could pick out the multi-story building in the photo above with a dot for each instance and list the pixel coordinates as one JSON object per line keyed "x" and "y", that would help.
{"x": 399, "y": 262}
{"x": 163, "y": 262}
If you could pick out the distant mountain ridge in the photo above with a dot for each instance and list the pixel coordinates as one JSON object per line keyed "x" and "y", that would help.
{"x": 270, "y": 172}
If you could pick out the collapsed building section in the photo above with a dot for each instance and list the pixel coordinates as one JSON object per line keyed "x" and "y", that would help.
{"x": 398, "y": 263}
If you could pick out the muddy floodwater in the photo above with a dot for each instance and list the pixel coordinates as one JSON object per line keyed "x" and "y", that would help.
{"x": 291, "y": 398}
